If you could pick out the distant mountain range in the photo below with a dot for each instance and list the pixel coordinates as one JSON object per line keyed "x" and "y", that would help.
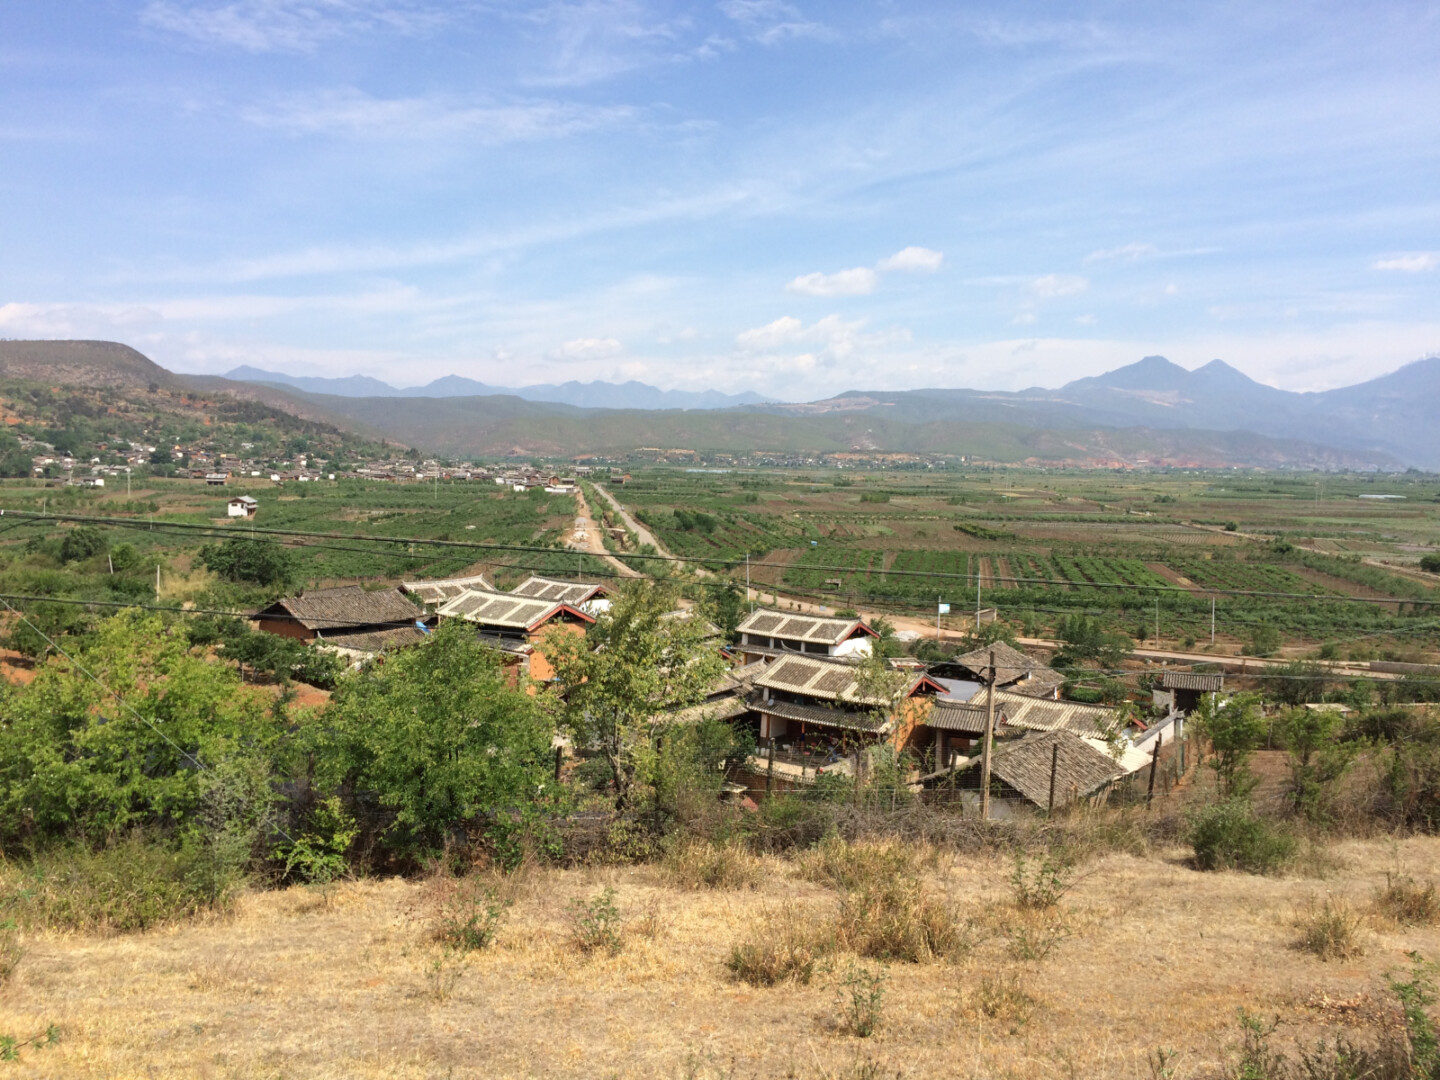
{"x": 593, "y": 395}
{"x": 1150, "y": 412}
{"x": 1393, "y": 415}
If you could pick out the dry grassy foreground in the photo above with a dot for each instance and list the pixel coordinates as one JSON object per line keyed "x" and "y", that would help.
{"x": 1158, "y": 956}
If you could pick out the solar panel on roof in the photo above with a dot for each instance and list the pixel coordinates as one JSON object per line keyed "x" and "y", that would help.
{"x": 793, "y": 673}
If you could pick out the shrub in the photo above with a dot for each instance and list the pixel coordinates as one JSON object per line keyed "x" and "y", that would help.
{"x": 1329, "y": 930}
{"x": 256, "y": 562}
{"x": 1002, "y": 998}
{"x": 1430, "y": 563}
{"x": 845, "y": 865}
{"x": 861, "y": 1000}
{"x": 1405, "y": 901}
{"x": 783, "y": 947}
{"x": 1229, "y": 836}
{"x": 595, "y": 924}
{"x": 132, "y": 885}
{"x": 724, "y": 865}
{"x": 470, "y": 918}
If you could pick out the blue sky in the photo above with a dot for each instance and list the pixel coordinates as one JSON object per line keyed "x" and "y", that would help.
{"x": 794, "y": 198}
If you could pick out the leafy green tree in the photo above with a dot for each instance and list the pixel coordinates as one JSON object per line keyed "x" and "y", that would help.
{"x": 438, "y": 735}
{"x": 1085, "y": 639}
{"x": 74, "y": 760}
{"x": 726, "y": 608}
{"x": 1264, "y": 640}
{"x": 82, "y": 542}
{"x": 1430, "y": 563}
{"x": 1317, "y": 757}
{"x": 43, "y": 624}
{"x": 1235, "y": 729}
{"x": 258, "y": 562}
{"x": 623, "y": 679}
{"x": 1294, "y": 683}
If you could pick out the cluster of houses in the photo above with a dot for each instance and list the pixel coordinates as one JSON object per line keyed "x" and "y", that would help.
{"x": 800, "y": 685}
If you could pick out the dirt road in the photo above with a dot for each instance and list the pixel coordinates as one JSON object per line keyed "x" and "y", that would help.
{"x": 586, "y": 536}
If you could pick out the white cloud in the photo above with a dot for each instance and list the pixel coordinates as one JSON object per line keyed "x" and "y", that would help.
{"x": 1414, "y": 262}
{"x": 837, "y": 339}
{"x": 782, "y": 331}
{"x": 350, "y": 112}
{"x": 857, "y": 282}
{"x": 287, "y": 25}
{"x": 913, "y": 259}
{"x": 1052, "y": 286}
{"x": 588, "y": 349}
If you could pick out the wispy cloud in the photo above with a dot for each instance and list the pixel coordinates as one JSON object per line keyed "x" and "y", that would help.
{"x": 590, "y": 348}
{"x": 1051, "y": 286}
{"x": 856, "y": 282}
{"x": 352, "y": 113}
{"x": 1123, "y": 253}
{"x": 587, "y": 41}
{"x": 1414, "y": 262}
{"x": 288, "y": 25}
{"x": 772, "y": 21}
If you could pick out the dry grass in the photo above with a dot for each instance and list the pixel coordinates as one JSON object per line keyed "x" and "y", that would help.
{"x": 698, "y": 865}
{"x": 1160, "y": 956}
{"x": 1331, "y": 929}
{"x": 1406, "y": 902}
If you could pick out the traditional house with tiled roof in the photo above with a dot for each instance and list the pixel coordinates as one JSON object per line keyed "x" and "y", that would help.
{"x": 1014, "y": 671}
{"x": 438, "y": 591}
{"x": 765, "y": 635}
{"x": 350, "y": 619}
{"x": 1182, "y": 690}
{"x": 818, "y": 707}
{"x": 1054, "y": 768}
{"x": 516, "y": 624}
{"x": 587, "y": 596}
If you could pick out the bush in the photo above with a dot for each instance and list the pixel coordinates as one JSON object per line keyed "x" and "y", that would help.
{"x": 861, "y": 1000}
{"x": 1430, "y": 563}
{"x": 469, "y": 919}
{"x": 257, "y": 562}
{"x": 844, "y": 865}
{"x": 11, "y": 950}
{"x": 134, "y": 884}
{"x": 783, "y": 947}
{"x": 1002, "y": 998}
{"x": 1406, "y": 902}
{"x": 1038, "y": 885}
{"x": 1229, "y": 836}
{"x": 1329, "y": 930}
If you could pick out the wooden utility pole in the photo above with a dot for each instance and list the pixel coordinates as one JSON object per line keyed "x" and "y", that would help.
{"x": 1054, "y": 766}
{"x": 989, "y": 732}
{"x": 1154, "y": 761}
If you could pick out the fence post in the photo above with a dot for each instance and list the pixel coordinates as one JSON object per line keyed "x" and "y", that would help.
{"x": 770, "y": 771}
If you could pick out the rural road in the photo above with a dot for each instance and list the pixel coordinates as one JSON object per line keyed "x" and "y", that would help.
{"x": 591, "y": 542}
{"x": 644, "y": 535}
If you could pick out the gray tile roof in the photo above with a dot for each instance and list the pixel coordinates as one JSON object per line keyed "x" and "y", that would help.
{"x": 349, "y": 605}
{"x": 1080, "y": 769}
{"x": 815, "y": 630}
{"x": 1040, "y": 714}
{"x": 505, "y": 610}
{"x": 573, "y": 593}
{"x": 439, "y": 590}
{"x": 1189, "y": 680}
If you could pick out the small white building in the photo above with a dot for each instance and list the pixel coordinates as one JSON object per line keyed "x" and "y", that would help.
{"x": 243, "y": 506}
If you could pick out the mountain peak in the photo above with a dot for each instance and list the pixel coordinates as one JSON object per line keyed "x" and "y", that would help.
{"x": 1150, "y": 373}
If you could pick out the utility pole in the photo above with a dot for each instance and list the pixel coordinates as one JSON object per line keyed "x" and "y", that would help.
{"x": 747, "y": 583}
{"x": 1157, "y": 622}
{"x": 989, "y": 731}
{"x": 157, "y": 583}
{"x": 977, "y": 601}
{"x": 937, "y": 618}
{"x": 1212, "y": 621}
{"x": 127, "y": 483}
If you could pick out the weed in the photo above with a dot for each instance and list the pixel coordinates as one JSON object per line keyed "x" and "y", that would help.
{"x": 1162, "y": 1063}
{"x": 1002, "y": 998}
{"x": 1415, "y": 995}
{"x": 1033, "y": 936}
{"x": 318, "y": 856}
{"x": 234, "y": 972}
{"x": 1406, "y": 902}
{"x": 11, "y": 951}
{"x": 470, "y": 918}
{"x": 10, "y": 1046}
{"x": 701, "y": 865}
{"x": 784, "y": 947}
{"x": 1038, "y": 885}
{"x": 861, "y": 1000}
{"x": 1230, "y": 836}
{"x": 441, "y": 972}
{"x": 1329, "y": 930}
{"x": 595, "y": 924}
{"x": 1257, "y": 1059}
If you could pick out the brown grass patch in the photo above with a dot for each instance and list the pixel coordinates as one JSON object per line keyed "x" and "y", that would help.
{"x": 1406, "y": 902}
{"x": 1331, "y": 929}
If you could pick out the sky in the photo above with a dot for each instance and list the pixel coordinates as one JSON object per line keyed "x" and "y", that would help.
{"x": 791, "y": 198}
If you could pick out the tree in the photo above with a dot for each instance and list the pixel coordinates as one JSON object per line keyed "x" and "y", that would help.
{"x": 259, "y": 562}
{"x": 438, "y": 735}
{"x": 620, "y": 681}
{"x": 75, "y": 760}
{"x": 1430, "y": 563}
{"x": 725, "y": 607}
{"x": 82, "y": 542}
{"x": 1235, "y": 729}
{"x": 1085, "y": 639}
{"x": 1264, "y": 640}
{"x": 1317, "y": 757}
